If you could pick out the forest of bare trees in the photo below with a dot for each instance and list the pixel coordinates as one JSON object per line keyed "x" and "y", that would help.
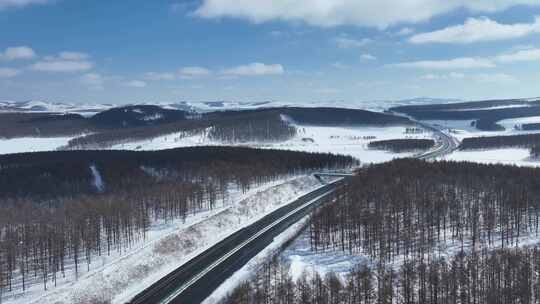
{"x": 432, "y": 232}
{"x": 504, "y": 276}
{"x": 53, "y": 212}
{"x": 535, "y": 152}
{"x": 410, "y": 207}
{"x": 494, "y": 142}
{"x": 402, "y": 145}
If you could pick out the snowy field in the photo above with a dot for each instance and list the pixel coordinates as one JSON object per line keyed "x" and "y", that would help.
{"x": 32, "y": 144}
{"x": 462, "y": 128}
{"x": 117, "y": 278}
{"x": 507, "y": 156}
{"x": 511, "y": 123}
{"x": 339, "y": 140}
{"x": 510, "y": 156}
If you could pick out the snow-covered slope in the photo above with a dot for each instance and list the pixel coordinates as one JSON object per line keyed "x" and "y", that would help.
{"x": 117, "y": 278}
{"x": 56, "y": 107}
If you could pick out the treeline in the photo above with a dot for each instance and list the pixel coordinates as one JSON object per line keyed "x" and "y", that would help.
{"x": 484, "y": 118}
{"x": 402, "y": 145}
{"x": 530, "y": 127}
{"x": 495, "y": 142}
{"x": 510, "y": 276}
{"x": 61, "y": 210}
{"x": 267, "y": 126}
{"x": 108, "y": 138}
{"x": 410, "y": 207}
{"x": 42, "y": 125}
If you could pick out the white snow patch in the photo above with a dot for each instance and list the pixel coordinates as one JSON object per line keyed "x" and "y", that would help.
{"x": 507, "y": 156}
{"x": 98, "y": 181}
{"x": 32, "y": 144}
{"x": 156, "y": 116}
{"x": 302, "y": 259}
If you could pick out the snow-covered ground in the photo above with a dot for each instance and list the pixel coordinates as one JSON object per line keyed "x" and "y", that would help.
{"x": 339, "y": 140}
{"x": 122, "y": 275}
{"x": 511, "y": 123}
{"x": 348, "y": 141}
{"x": 32, "y": 144}
{"x": 302, "y": 259}
{"x": 507, "y": 156}
{"x": 462, "y": 128}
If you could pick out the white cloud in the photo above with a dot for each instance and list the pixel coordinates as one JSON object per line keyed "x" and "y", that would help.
{"x": 20, "y": 3}
{"x": 476, "y": 30}
{"x": 457, "y": 63}
{"x": 135, "y": 84}
{"x": 326, "y": 13}
{"x": 192, "y": 72}
{"x": 8, "y": 72}
{"x": 368, "y": 57}
{"x": 520, "y": 56}
{"x": 76, "y": 56}
{"x": 17, "y": 52}
{"x": 255, "y": 69}
{"x": 347, "y": 43}
{"x": 159, "y": 76}
{"x": 497, "y": 78}
{"x": 62, "y": 66}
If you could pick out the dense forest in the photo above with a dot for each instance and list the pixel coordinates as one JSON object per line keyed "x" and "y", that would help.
{"x": 432, "y": 232}
{"x": 509, "y": 276}
{"x": 494, "y": 142}
{"x": 409, "y": 207}
{"x": 530, "y": 127}
{"x": 485, "y": 114}
{"x": 69, "y": 207}
{"x": 42, "y": 125}
{"x": 402, "y": 145}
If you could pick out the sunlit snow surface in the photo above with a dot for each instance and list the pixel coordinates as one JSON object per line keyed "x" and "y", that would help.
{"x": 302, "y": 259}
{"x": 32, "y": 144}
{"x": 509, "y": 156}
{"x": 338, "y": 140}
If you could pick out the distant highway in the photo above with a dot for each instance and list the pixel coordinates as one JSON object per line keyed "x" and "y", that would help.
{"x": 194, "y": 281}
{"x": 446, "y": 143}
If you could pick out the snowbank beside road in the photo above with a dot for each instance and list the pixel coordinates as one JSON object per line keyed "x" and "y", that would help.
{"x": 167, "y": 248}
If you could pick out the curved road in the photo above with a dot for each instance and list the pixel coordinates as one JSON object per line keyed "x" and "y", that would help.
{"x": 194, "y": 281}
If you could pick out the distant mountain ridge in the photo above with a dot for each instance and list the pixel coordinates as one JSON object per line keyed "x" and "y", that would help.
{"x": 209, "y": 106}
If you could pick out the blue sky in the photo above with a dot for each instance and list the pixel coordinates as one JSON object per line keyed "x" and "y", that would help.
{"x": 289, "y": 50}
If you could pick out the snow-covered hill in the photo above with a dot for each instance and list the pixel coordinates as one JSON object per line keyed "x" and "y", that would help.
{"x": 208, "y": 106}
